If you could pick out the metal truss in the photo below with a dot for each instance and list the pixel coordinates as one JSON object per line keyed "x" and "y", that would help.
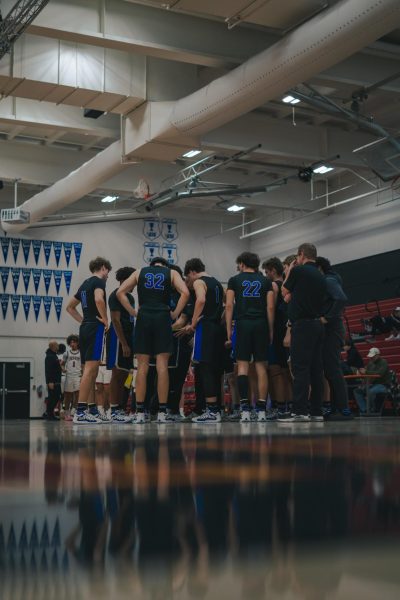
{"x": 18, "y": 19}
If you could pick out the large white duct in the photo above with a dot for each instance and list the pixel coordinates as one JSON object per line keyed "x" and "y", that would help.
{"x": 315, "y": 46}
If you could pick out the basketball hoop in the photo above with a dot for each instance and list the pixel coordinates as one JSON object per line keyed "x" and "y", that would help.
{"x": 142, "y": 190}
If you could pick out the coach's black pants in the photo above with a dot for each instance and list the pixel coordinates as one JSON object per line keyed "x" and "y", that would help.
{"x": 332, "y": 348}
{"x": 307, "y": 367}
{"x": 53, "y": 397}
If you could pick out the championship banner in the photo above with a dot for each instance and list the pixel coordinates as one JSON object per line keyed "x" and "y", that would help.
{"x": 77, "y": 250}
{"x": 26, "y": 276}
{"x": 36, "y": 274}
{"x": 15, "y": 273}
{"x": 47, "y": 302}
{"x": 67, "y": 279}
{"x": 67, "y": 251}
{"x": 5, "y": 246}
{"x": 169, "y": 229}
{"x": 26, "y": 303}
{"x": 58, "y": 302}
{"x": 170, "y": 253}
{"x": 26, "y": 248}
{"x": 37, "y": 303}
{"x": 15, "y": 300}
{"x": 36, "y": 246}
{"x": 5, "y": 272}
{"x": 57, "y": 246}
{"x": 4, "y": 299}
{"x": 150, "y": 251}
{"x": 47, "y": 275}
{"x": 15, "y": 247}
{"x": 57, "y": 279}
{"x": 151, "y": 228}
{"x": 47, "y": 249}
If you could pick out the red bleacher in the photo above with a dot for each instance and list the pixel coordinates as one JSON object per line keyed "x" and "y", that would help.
{"x": 389, "y": 350}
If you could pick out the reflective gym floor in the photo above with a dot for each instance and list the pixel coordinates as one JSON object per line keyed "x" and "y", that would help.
{"x": 211, "y": 511}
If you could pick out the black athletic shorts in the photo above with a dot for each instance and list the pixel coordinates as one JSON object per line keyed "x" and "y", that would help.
{"x": 208, "y": 343}
{"x": 91, "y": 341}
{"x": 277, "y": 353}
{"x": 115, "y": 356}
{"x": 153, "y": 333}
{"x": 173, "y": 359}
{"x": 251, "y": 340}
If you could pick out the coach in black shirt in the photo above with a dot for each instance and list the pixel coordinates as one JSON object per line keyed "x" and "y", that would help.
{"x": 53, "y": 378}
{"x": 305, "y": 290}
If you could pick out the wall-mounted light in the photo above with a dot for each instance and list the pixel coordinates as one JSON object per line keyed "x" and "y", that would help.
{"x": 290, "y": 100}
{"x": 109, "y": 199}
{"x": 322, "y": 170}
{"x": 191, "y": 153}
{"x": 235, "y": 208}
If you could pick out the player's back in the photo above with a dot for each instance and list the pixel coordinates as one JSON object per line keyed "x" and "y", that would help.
{"x": 250, "y": 290}
{"x": 154, "y": 289}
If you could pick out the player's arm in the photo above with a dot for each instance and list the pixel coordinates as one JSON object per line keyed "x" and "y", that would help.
{"x": 182, "y": 289}
{"x": 179, "y": 326}
{"x": 229, "y": 304}
{"x": 101, "y": 306}
{"x": 289, "y": 282}
{"x": 271, "y": 313}
{"x": 116, "y": 321}
{"x": 71, "y": 309}
{"x": 125, "y": 288}
{"x": 200, "y": 289}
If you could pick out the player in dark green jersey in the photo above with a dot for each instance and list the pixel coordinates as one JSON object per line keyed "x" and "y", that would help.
{"x": 208, "y": 341}
{"x": 253, "y": 298}
{"x": 93, "y": 325}
{"x": 153, "y": 332}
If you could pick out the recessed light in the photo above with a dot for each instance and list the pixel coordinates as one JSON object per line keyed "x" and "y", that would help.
{"x": 235, "y": 208}
{"x": 322, "y": 170}
{"x": 109, "y": 199}
{"x": 191, "y": 153}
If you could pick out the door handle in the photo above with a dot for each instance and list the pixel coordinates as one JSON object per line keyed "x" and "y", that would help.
{"x": 15, "y": 391}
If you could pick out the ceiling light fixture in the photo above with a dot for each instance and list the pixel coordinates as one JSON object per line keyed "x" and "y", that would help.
{"x": 235, "y": 208}
{"x": 109, "y": 199}
{"x": 191, "y": 153}
{"x": 290, "y": 100}
{"x": 322, "y": 170}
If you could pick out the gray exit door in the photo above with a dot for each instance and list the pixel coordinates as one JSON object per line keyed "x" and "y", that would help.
{"x": 15, "y": 380}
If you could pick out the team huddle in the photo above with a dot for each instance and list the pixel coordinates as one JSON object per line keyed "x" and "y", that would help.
{"x": 188, "y": 318}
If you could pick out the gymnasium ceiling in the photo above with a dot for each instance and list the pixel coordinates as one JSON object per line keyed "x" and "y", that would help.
{"x": 160, "y": 50}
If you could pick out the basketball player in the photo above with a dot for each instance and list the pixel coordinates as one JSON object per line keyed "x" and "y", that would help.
{"x": 252, "y": 295}
{"x": 71, "y": 363}
{"x": 208, "y": 340}
{"x": 153, "y": 332}
{"x": 120, "y": 346}
{"x": 93, "y": 325}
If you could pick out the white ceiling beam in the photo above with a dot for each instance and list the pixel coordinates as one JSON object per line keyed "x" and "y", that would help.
{"x": 15, "y": 131}
{"x": 93, "y": 143}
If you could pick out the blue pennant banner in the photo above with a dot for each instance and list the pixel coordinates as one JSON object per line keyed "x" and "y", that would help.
{"x": 57, "y": 279}
{"x": 169, "y": 229}
{"x": 58, "y": 302}
{"x": 47, "y": 249}
{"x": 26, "y": 247}
{"x": 37, "y": 303}
{"x": 67, "y": 279}
{"x": 15, "y": 273}
{"x": 36, "y": 245}
{"x": 4, "y": 298}
{"x": 5, "y": 272}
{"x": 26, "y": 303}
{"x": 47, "y": 302}
{"x": 26, "y": 276}
{"x": 170, "y": 252}
{"x": 15, "y": 247}
{"x": 5, "y": 246}
{"x": 57, "y": 246}
{"x": 15, "y": 300}
{"x": 78, "y": 251}
{"x": 150, "y": 251}
{"x": 67, "y": 251}
{"x": 151, "y": 228}
{"x": 36, "y": 274}
{"x": 47, "y": 275}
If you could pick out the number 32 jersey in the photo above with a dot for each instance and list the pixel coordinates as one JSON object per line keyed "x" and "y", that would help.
{"x": 250, "y": 295}
{"x": 154, "y": 289}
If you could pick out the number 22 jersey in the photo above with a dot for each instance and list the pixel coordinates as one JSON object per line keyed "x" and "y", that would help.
{"x": 250, "y": 295}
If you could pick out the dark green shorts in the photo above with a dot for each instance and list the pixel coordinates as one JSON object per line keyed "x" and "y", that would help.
{"x": 252, "y": 340}
{"x": 153, "y": 333}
